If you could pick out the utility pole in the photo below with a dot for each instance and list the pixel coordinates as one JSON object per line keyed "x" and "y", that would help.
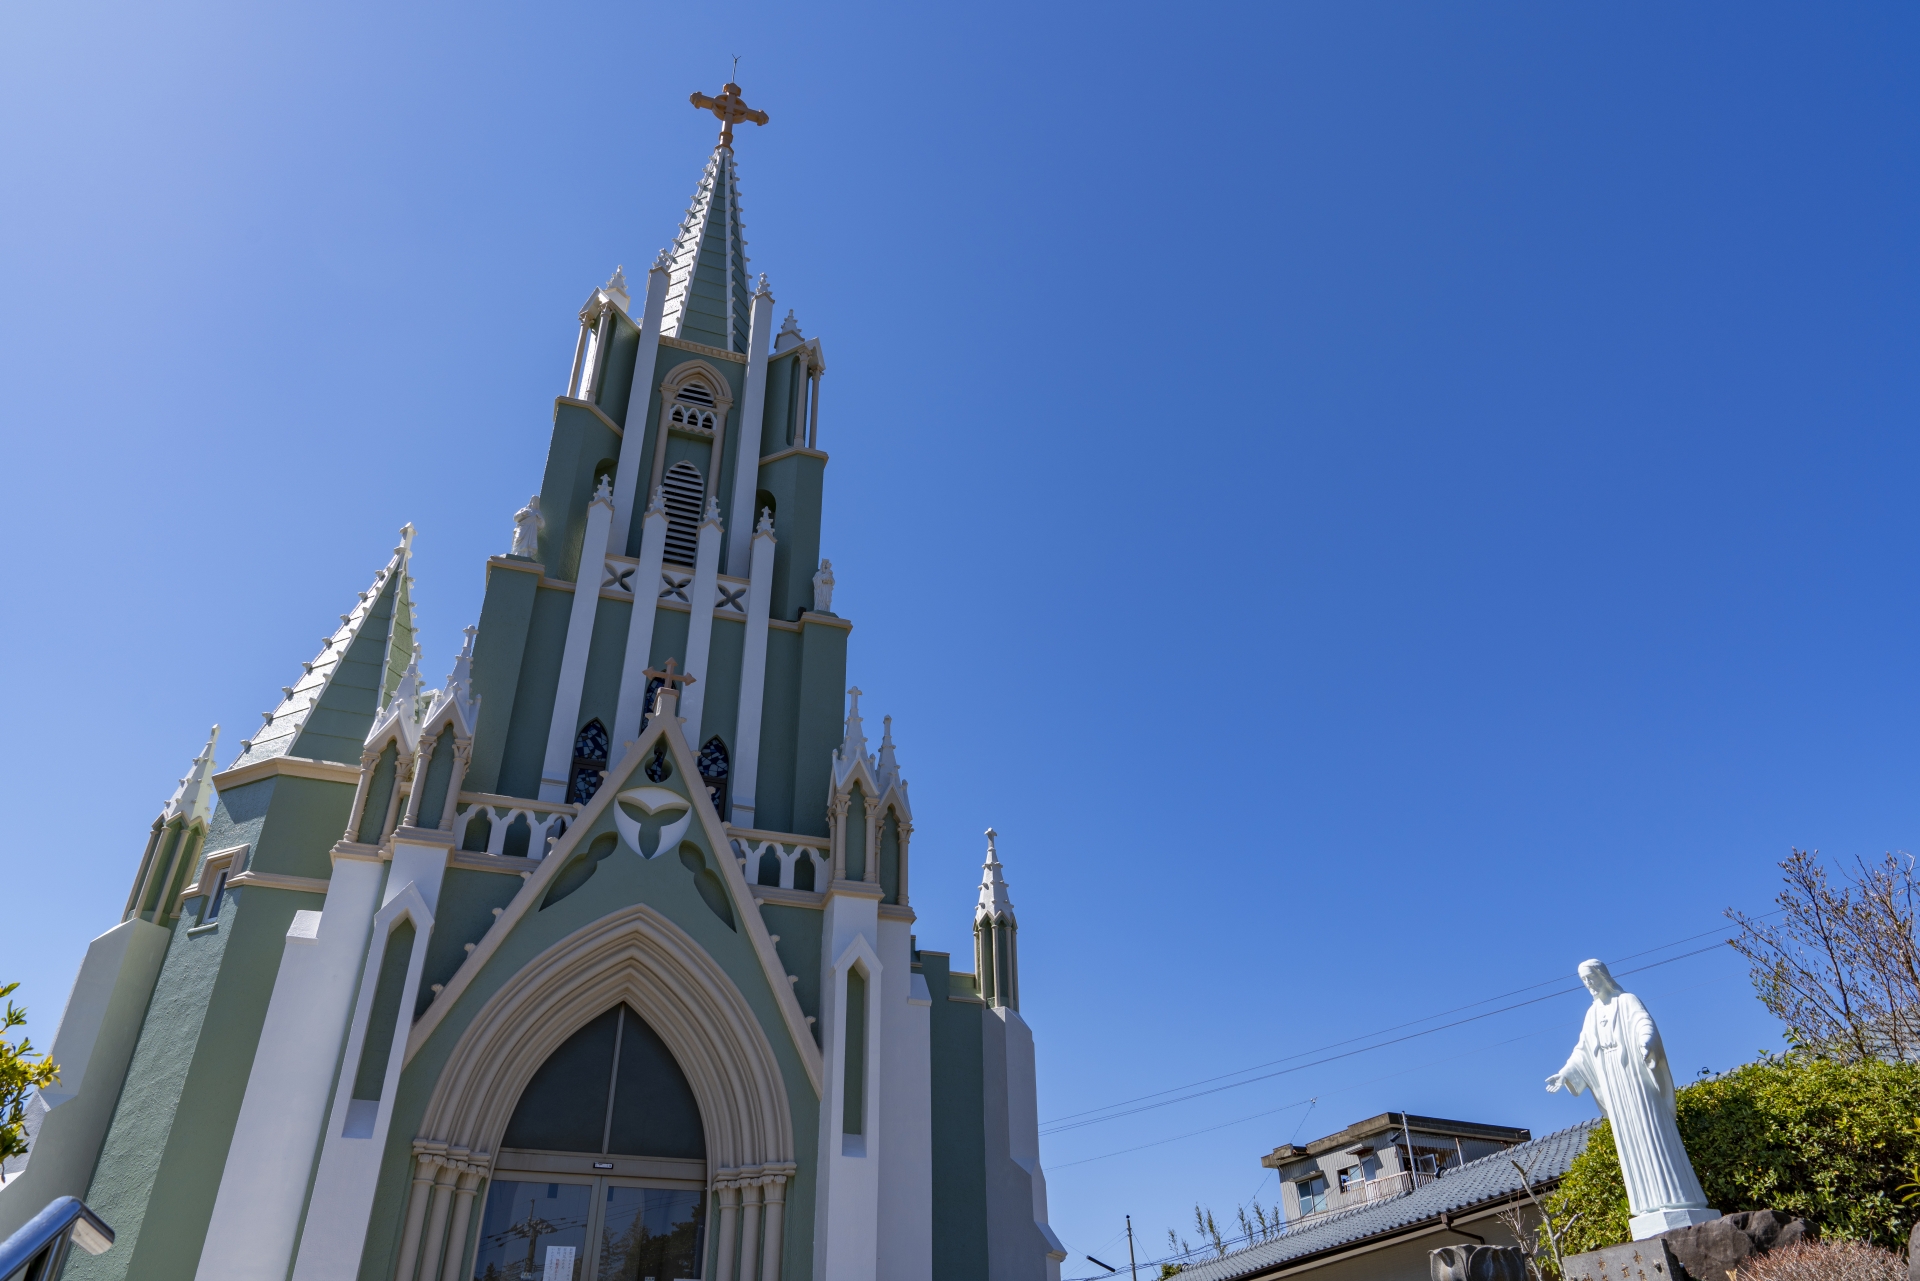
{"x": 1132, "y": 1267}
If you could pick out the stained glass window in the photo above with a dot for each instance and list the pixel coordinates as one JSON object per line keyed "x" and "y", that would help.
{"x": 713, "y": 769}
{"x": 589, "y": 763}
{"x": 659, "y": 768}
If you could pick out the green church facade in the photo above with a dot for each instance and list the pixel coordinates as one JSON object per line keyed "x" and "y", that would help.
{"x": 596, "y": 961}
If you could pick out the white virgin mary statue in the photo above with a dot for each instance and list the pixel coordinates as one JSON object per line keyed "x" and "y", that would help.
{"x": 1621, "y": 1060}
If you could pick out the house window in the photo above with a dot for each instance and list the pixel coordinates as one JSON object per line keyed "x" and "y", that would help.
{"x": 589, "y": 763}
{"x": 713, "y": 769}
{"x": 1351, "y": 1179}
{"x": 1313, "y": 1194}
{"x": 683, "y": 491}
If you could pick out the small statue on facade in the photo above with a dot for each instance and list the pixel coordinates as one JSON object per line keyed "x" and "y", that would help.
{"x": 1620, "y": 1058}
{"x": 527, "y": 524}
{"x": 823, "y": 588}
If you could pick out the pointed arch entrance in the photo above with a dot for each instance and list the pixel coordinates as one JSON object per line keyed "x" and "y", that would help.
{"x": 639, "y": 967}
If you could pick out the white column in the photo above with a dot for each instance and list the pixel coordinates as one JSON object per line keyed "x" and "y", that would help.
{"x": 847, "y": 1199}
{"x": 906, "y": 1111}
{"x": 706, "y": 580}
{"x": 770, "y": 1237}
{"x": 646, "y": 607}
{"x": 573, "y": 660}
{"x": 596, "y": 352}
{"x": 579, "y": 360}
{"x": 746, "y": 449}
{"x": 627, "y": 479}
{"x": 753, "y": 677}
{"x": 356, "y": 1132}
{"x": 729, "y": 1198}
{"x": 256, "y": 1213}
{"x": 749, "y": 1228}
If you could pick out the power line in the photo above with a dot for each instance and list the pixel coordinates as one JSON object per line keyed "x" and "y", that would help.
{"x": 1282, "y": 1108}
{"x": 1074, "y": 1120}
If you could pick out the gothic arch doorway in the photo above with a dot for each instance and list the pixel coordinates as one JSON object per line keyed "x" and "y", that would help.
{"x": 643, "y": 970}
{"x": 602, "y": 1169}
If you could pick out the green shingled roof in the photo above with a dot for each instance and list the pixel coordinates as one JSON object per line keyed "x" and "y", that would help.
{"x": 327, "y": 713}
{"x": 708, "y": 300}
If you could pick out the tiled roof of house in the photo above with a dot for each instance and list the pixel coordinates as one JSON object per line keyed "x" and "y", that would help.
{"x": 1490, "y": 1179}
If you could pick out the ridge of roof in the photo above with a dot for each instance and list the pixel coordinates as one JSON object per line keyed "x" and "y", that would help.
{"x": 1487, "y": 1179}
{"x": 325, "y": 715}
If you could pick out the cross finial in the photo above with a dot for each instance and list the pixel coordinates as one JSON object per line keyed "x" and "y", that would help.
{"x": 730, "y": 109}
{"x": 668, "y": 679}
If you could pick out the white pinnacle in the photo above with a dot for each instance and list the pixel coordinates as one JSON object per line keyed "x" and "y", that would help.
{"x": 994, "y": 900}
{"x": 888, "y": 772}
{"x": 194, "y": 797}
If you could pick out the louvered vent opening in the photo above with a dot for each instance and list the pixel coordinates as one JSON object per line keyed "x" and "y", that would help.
{"x": 682, "y": 489}
{"x": 696, "y": 393}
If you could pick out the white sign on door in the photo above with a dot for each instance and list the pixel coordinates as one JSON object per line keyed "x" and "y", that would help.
{"x": 559, "y": 1263}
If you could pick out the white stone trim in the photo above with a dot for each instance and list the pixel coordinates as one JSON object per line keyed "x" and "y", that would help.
{"x": 343, "y": 1186}
{"x": 706, "y": 572}
{"x": 753, "y": 681}
{"x": 639, "y": 653}
{"x": 746, "y": 450}
{"x": 627, "y": 478}
{"x": 564, "y": 727}
{"x": 263, "y": 1186}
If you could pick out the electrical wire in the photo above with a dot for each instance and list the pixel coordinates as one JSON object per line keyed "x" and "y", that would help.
{"x": 1094, "y": 1116}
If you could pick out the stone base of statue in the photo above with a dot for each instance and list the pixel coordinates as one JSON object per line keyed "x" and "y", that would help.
{"x": 1477, "y": 1263}
{"x": 1700, "y": 1252}
{"x": 1714, "y": 1249}
{"x": 1653, "y": 1223}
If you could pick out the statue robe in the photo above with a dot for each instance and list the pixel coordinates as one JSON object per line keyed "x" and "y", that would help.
{"x": 1621, "y": 1060}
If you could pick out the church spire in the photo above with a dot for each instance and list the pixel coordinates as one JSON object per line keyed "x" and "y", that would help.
{"x": 995, "y": 948}
{"x": 326, "y": 714}
{"x": 709, "y": 297}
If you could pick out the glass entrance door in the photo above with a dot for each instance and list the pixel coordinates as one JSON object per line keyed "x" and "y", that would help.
{"x": 605, "y": 1229}
{"x": 533, "y": 1231}
{"x": 649, "y": 1233}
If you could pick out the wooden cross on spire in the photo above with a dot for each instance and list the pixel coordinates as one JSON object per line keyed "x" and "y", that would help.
{"x": 668, "y": 680}
{"x": 731, "y": 110}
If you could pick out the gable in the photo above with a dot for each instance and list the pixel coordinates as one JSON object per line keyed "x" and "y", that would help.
{"x": 650, "y": 837}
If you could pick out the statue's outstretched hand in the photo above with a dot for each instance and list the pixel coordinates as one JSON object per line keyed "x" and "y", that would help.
{"x": 1554, "y": 1083}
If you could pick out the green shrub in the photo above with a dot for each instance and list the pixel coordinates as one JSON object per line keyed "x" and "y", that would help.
{"x": 1830, "y": 1142}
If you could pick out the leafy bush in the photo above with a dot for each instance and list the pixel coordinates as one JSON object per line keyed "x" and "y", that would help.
{"x": 1828, "y": 1141}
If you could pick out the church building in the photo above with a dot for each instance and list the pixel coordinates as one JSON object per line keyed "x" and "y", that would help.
{"x": 596, "y": 962}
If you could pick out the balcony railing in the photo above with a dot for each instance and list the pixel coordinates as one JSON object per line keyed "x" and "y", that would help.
{"x": 1361, "y": 1192}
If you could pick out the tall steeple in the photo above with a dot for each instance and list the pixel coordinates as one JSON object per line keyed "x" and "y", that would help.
{"x": 326, "y": 714}
{"x": 709, "y": 298}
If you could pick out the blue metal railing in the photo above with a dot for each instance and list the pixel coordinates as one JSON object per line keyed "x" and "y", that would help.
{"x": 38, "y": 1251}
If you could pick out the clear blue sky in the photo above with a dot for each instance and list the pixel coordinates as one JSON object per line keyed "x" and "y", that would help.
{"x": 1376, "y": 503}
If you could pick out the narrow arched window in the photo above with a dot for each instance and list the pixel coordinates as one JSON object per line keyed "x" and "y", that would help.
{"x": 682, "y": 490}
{"x": 589, "y": 763}
{"x": 713, "y": 771}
